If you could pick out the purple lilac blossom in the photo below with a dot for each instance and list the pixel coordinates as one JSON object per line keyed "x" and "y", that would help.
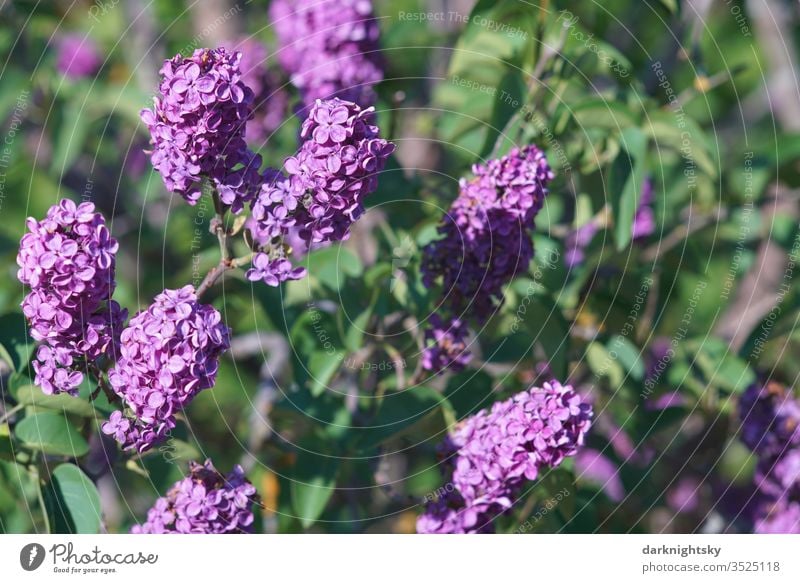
{"x": 644, "y": 221}
{"x": 683, "y": 496}
{"x": 330, "y": 48}
{"x": 197, "y": 128}
{"x": 779, "y": 517}
{"x": 78, "y": 56}
{"x": 495, "y": 451}
{"x": 270, "y": 101}
{"x": 593, "y": 467}
{"x": 577, "y": 241}
{"x": 204, "y": 502}
{"x": 770, "y": 418}
{"x": 486, "y": 233}
{"x": 68, "y": 261}
{"x": 329, "y": 177}
{"x": 448, "y": 515}
{"x": 168, "y": 354}
{"x": 445, "y": 345}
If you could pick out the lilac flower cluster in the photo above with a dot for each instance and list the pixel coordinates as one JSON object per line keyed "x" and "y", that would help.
{"x": 486, "y": 233}
{"x": 197, "y": 128}
{"x": 68, "y": 261}
{"x": 333, "y": 171}
{"x": 78, "y": 56}
{"x": 329, "y": 48}
{"x": 204, "y": 502}
{"x": 485, "y": 237}
{"x": 493, "y": 453}
{"x": 168, "y": 354}
{"x": 770, "y": 417}
{"x": 270, "y": 101}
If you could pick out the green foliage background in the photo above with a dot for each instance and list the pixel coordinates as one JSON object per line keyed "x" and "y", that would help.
{"x": 328, "y": 427}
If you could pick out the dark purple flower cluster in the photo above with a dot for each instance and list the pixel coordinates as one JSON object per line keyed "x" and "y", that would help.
{"x": 770, "y": 417}
{"x": 485, "y": 237}
{"x": 204, "y": 502}
{"x": 270, "y": 101}
{"x": 486, "y": 233}
{"x": 333, "y": 171}
{"x": 493, "y": 453}
{"x": 329, "y": 47}
{"x": 78, "y": 56}
{"x": 445, "y": 345}
{"x": 68, "y": 259}
{"x": 168, "y": 354}
{"x": 197, "y": 128}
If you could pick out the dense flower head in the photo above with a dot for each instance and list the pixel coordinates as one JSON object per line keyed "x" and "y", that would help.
{"x": 197, "y": 128}
{"x": 445, "y": 345}
{"x": 68, "y": 261}
{"x": 333, "y": 171}
{"x": 495, "y": 451}
{"x": 168, "y": 353}
{"x": 485, "y": 236}
{"x": 330, "y": 48}
{"x": 77, "y": 56}
{"x": 770, "y": 418}
{"x": 270, "y": 99}
{"x": 204, "y": 502}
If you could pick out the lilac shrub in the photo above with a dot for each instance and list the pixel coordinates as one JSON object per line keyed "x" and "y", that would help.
{"x": 168, "y": 354}
{"x": 493, "y": 453}
{"x": 204, "y": 502}
{"x": 68, "y": 261}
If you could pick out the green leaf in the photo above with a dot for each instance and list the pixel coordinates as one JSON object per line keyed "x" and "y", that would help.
{"x": 603, "y": 365}
{"x": 332, "y": 265}
{"x": 548, "y": 328}
{"x": 321, "y": 367}
{"x": 721, "y": 366}
{"x": 33, "y": 395}
{"x": 628, "y": 355}
{"x": 398, "y": 412}
{"x": 625, "y": 183}
{"x": 70, "y": 136}
{"x": 51, "y": 433}
{"x": 468, "y": 392}
{"x": 598, "y": 112}
{"x": 18, "y": 491}
{"x": 509, "y": 99}
{"x": 74, "y": 501}
{"x": 13, "y": 336}
{"x": 313, "y": 484}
